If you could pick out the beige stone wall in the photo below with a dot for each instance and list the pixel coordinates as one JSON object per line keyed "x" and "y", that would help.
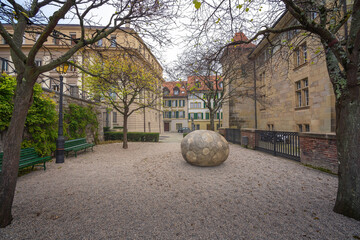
{"x": 280, "y": 110}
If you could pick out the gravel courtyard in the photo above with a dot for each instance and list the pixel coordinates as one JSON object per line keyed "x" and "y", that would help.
{"x": 150, "y": 192}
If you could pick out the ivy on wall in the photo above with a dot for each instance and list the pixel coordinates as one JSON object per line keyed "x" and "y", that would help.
{"x": 41, "y": 122}
{"x": 78, "y": 119}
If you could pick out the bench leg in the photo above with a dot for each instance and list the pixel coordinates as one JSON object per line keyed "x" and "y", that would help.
{"x": 32, "y": 168}
{"x": 44, "y": 166}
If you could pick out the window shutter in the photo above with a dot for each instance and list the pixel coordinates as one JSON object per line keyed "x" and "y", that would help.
{"x": 202, "y": 115}
{"x": 169, "y": 102}
{"x": 217, "y": 115}
{"x": 207, "y": 115}
{"x": 195, "y": 116}
{"x": 221, "y": 115}
{"x": 183, "y": 103}
{"x": 183, "y": 114}
{"x": 189, "y": 115}
{"x": 204, "y": 105}
{"x": 177, "y": 114}
{"x": 176, "y": 103}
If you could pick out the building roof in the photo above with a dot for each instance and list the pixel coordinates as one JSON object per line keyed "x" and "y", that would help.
{"x": 240, "y": 36}
{"x": 173, "y": 85}
{"x": 192, "y": 80}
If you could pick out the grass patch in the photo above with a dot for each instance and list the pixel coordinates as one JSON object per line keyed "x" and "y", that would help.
{"x": 320, "y": 169}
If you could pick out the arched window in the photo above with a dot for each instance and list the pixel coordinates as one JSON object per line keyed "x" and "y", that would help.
{"x": 176, "y": 91}
{"x": 166, "y": 91}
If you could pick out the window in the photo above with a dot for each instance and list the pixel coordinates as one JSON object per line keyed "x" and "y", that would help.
{"x": 262, "y": 79}
{"x": 300, "y": 127}
{"x": 114, "y": 117}
{"x": 197, "y": 84}
{"x": 56, "y": 38}
{"x": 4, "y": 65}
{"x": 181, "y": 114}
{"x": 73, "y": 39}
{"x": 99, "y": 43}
{"x": 74, "y": 90}
{"x": 176, "y": 91}
{"x": 270, "y": 127}
{"x": 300, "y": 55}
{"x": 166, "y": 91}
{"x": 72, "y": 68}
{"x": 38, "y": 63}
{"x": 4, "y": 41}
{"x": 173, "y": 114}
{"x": 178, "y": 126}
{"x": 174, "y": 103}
{"x": 313, "y": 15}
{"x": 113, "y": 41}
{"x": 181, "y": 103}
{"x": 302, "y": 93}
{"x": 307, "y": 128}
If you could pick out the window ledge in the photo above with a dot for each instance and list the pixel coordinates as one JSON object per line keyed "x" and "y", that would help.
{"x": 302, "y": 108}
{"x": 300, "y": 66}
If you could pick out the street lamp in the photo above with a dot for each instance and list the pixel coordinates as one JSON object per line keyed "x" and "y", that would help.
{"x": 60, "y": 142}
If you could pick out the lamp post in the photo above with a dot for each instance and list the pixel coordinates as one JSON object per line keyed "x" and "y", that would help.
{"x": 60, "y": 142}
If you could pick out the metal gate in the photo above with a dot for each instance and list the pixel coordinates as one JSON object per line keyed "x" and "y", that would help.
{"x": 284, "y": 144}
{"x": 233, "y": 135}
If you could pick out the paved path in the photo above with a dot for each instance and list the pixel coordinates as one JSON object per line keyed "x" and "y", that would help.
{"x": 168, "y": 137}
{"x": 149, "y": 192}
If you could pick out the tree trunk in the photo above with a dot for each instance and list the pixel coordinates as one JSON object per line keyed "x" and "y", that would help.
{"x": 348, "y": 150}
{"x": 212, "y": 121}
{"x": 12, "y": 147}
{"x": 125, "y": 130}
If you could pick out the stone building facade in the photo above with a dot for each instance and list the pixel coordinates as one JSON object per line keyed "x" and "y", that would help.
{"x": 175, "y": 105}
{"x": 291, "y": 83}
{"x": 125, "y": 39}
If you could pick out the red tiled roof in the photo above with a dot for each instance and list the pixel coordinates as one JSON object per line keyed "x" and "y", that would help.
{"x": 173, "y": 85}
{"x": 201, "y": 79}
{"x": 240, "y": 36}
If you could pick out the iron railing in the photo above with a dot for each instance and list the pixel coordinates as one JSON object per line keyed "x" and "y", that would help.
{"x": 233, "y": 135}
{"x": 285, "y": 144}
{"x": 72, "y": 90}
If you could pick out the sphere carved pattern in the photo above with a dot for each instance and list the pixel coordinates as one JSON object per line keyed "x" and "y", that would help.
{"x": 204, "y": 148}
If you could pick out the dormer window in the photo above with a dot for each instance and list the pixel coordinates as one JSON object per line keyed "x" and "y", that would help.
{"x": 176, "y": 91}
{"x": 197, "y": 84}
{"x": 166, "y": 91}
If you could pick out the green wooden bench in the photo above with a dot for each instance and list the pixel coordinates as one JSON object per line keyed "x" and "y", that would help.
{"x": 76, "y": 145}
{"x": 28, "y": 157}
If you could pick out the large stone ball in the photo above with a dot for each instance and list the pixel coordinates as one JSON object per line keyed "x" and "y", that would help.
{"x": 204, "y": 148}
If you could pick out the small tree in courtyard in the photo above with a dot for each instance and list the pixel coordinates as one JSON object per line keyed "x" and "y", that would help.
{"x": 125, "y": 84}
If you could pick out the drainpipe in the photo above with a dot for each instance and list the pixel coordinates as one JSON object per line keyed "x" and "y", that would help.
{"x": 255, "y": 93}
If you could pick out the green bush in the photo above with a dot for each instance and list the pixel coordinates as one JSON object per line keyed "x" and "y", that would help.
{"x": 118, "y": 127}
{"x": 41, "y": 122}
{"x": 106, "y": 129}
{"x": 77, "y": 119}
{"x": 133, "y": 136}
{"x": 184, "y": 134}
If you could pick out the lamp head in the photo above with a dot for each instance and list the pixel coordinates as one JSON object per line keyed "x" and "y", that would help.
{"x": 62, "y": 69}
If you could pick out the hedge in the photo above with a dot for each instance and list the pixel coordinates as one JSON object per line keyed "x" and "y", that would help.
{"x": 133, "y": 136}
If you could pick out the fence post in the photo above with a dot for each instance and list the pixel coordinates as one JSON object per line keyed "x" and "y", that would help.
{"x": 274, "y": 137}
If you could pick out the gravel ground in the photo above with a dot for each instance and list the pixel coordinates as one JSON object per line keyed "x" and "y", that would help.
{"x": 150, "y": 192}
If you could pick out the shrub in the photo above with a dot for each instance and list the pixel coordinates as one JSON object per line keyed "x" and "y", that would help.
{"x": 41, "y": 122}
{"x": 133, "y": 136}
{"x": 184, "y": 134}
{"x": 77, "y": 119}
{"x": 106, "y": 129}
{"x": 118, "y": 127}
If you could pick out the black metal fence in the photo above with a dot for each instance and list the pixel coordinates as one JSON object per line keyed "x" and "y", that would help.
{"x": 285, "y": 144}
{"x": 72, "y": 90}
{"x": 233, "y": 135}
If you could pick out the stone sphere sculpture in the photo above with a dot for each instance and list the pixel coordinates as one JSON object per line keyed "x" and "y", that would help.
{"x": 204, "y": 148}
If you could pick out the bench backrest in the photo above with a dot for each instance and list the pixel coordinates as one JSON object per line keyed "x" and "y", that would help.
{"x": 74, "y": 142}
{"x": 25, "y": 155}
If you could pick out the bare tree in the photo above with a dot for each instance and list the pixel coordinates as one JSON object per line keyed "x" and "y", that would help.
{"x": 28, "y": 18}
{"x": 337, "y": 25}
{"x": 216, "y": 78}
